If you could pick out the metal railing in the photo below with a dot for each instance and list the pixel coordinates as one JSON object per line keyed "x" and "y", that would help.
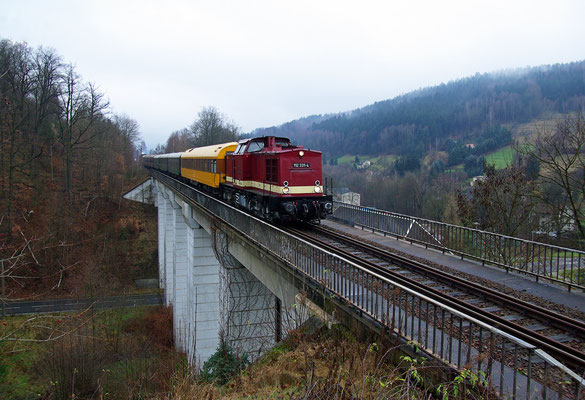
{"x": 543, "y": 261}
{"x": 508, "y": 365}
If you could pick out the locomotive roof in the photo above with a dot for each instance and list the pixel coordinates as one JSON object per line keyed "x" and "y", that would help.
{"x": 242, "y": 141}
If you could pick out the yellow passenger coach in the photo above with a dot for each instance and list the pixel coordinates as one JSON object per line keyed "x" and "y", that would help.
{"x": 206, "y": 165}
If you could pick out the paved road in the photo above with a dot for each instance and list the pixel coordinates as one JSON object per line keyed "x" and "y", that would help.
{"x": 60, "y": 305}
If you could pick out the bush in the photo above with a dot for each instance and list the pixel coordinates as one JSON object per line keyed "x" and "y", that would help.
{"x": 223, "y": 365}
{"x": 156, "y": 325}
{"x": 75, "y": 364}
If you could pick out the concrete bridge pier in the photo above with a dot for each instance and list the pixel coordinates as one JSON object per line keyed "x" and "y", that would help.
{"x": 218, "y": 285}
{"x": 248, "y": 311}
{"x": 189, "y": 275}
{"x": 161, "y": 204}
{"x": 202, "y": 284}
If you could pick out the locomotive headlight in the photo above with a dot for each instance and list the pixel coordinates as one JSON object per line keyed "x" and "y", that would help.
{"x": 285, "y": 190}
{"x": 301, "y": 153}
{"x": 317, "y": 189}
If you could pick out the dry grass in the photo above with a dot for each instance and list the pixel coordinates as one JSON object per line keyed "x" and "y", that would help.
{"x": 317, "y": 366}
{"x": 115, "y": 354}
{"x": 131, "y": 356}
{"x": 526, "y": 130}
{"x": 327, "y": 365}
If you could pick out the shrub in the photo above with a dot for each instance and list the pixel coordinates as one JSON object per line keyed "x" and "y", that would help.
{"x": 223, "y": 365}
{"x": 156, "y": 325}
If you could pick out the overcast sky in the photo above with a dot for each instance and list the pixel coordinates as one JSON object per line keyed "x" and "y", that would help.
{"x": 266, "y": 62}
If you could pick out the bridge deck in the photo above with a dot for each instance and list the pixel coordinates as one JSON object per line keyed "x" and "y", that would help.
{"x": 522, "y": 283}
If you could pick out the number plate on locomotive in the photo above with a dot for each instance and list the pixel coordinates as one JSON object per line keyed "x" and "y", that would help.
{"x": 301, "y": 165}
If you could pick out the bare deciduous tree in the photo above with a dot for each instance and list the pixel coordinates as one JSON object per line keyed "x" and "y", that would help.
{"x": 15, "y": 111}
{"x": 19, "y": 261}
{"x": 178, "y": 141}
{"x": 128, "y": 127}
{"x": 212, "y": 127}
{"x": 501, "y": 202}
{"x": 561, "y": 155}
{"x": 45, "y": 93}
{"x": 159, "y": 149}
{"x": 81, "y": 106}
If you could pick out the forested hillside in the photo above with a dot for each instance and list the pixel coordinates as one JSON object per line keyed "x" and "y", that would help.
{"x": 427, "y": 119}
{"x": 65, "y": 160}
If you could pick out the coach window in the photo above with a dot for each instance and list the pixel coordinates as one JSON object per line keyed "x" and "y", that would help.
{"x": 214, "y": 166}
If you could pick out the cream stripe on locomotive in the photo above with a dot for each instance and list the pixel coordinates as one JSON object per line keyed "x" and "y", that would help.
{"x": 275, "y": 188}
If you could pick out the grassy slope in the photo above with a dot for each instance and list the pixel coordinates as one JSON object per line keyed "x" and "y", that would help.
{"x": 330, "y": 365}
{"x": 108, "y": 350}
{"x": 501, "y": 158}
{"x": 504, "y": 156}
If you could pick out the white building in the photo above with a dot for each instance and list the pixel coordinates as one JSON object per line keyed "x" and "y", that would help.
{"x": 344, "y": 195}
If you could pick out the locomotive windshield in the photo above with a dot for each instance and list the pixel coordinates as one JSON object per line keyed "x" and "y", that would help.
{"x": 255, "y": 146}
{"x": 240, "y": 149}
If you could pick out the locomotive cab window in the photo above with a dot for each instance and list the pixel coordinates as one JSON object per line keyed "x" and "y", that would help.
{"x": 283, "y": 143}
{"x": 240, "y": 149}
{"x": 255, "y": 146}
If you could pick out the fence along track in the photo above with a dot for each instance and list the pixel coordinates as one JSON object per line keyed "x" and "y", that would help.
{"x": 549, "y": 317}
{"x": 543, "y": 261}
{"x": 473, "y": 339}
{"x": 450, "y": 335}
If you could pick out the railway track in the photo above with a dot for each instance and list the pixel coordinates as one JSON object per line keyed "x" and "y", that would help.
{"x": 558, "y": 335}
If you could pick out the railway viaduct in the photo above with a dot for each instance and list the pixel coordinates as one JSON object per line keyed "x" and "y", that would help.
{"x": 218, "y": 280}
{"x": 230, "y": 276}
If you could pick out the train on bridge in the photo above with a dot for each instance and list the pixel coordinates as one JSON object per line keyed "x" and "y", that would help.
{"x": 267, "y": 176}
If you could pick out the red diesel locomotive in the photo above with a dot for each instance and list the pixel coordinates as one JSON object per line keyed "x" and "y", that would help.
{"x": 268, "y": 176}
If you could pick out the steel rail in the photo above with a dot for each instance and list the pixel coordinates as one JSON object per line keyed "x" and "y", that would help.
{"x": 556, "y": 320}
{"x": 556, "y": 264}
{"x": 568, "y": 354}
